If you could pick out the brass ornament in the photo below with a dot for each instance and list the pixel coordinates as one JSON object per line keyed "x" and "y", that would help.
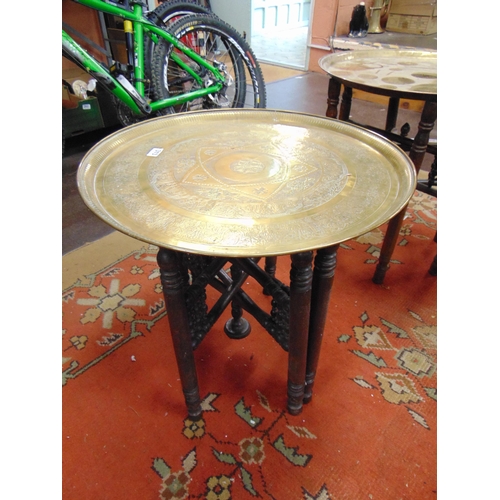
{"x": 377, "y": 11}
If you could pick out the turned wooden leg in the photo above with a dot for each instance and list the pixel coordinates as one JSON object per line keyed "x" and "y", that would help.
{"x": 421, "y": 141}
{"x": 392, "y": 114}
{"x": 417, "y": 152}
{"x": 237, "y": 327}
{"x": 333, "y": 97}
{"x": 300, "y": 308}
{"x": 270, "y": 268}
{"x": 388, "y": 245}
{"x": 173, "y": 291}
{"x": 345, "y": 105}
{"x": 324, "y": 271}
{"x": 431, "y": 178}
{"x": 433, "y": 270}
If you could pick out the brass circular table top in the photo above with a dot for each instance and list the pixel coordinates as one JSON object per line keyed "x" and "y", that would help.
{"x": 409, "y": 72}
{"x": 245, "y": 182}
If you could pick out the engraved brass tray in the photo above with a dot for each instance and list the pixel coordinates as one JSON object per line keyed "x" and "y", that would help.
{"x": 410, "y": 72}
{"x": 245, "y": 182}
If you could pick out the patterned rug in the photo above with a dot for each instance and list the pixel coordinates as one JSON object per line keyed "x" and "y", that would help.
{"x": 369, "y": 431}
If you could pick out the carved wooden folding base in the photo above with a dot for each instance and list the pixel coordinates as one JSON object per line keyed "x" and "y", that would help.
{"x": 296, "y": 320}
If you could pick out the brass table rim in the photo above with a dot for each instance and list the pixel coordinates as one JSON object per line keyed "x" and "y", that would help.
{"x": 109, "y": 146}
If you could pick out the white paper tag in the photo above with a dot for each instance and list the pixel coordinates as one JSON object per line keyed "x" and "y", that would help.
{"x": 155, "y": 152}
{"x": 86, "y": 106}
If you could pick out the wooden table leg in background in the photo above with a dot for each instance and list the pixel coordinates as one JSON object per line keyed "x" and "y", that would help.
{"x": 324, "y": 271}
{"x": 345, "y": 104}
{"x": 301, "y": 276}
{"x": 417, "y": 153}
{"x": 173, "y": 291}
{"x": 333, "y": 98}
{"x": 334, "y": 87}
{"x": 433, "y": 269}
{"x": 392, "y": 114}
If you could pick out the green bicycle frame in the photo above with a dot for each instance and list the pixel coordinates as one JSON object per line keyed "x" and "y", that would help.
{"x": 133, "y": 96}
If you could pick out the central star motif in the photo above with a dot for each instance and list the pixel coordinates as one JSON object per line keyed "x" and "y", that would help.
{"x": 252, "y": 173}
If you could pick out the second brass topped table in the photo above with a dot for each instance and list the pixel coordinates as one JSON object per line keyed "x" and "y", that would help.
{"x": 212, "y": 188}
{"x": 398, "y": 74}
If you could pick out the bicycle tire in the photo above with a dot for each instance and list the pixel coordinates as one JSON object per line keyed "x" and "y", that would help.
{"x": 222, "y": 45}
{"x": 172, "y": 10}
{"x": 164, "y": 15}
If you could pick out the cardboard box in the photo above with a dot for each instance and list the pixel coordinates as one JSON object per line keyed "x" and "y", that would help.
{"x": 418, "y": 17}
{"x": 69, "y": 100}
{"x": 73, "y": 74}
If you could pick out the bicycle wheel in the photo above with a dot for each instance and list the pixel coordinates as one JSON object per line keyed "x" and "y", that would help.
{"x": 223, "y": 47}
{"x": 164, "y": 15}
{"x": 172, "y": 10}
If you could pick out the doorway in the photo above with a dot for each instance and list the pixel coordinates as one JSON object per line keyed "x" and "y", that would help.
{"x": 280, "y": 31}
{"x": 277, "y": 30}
